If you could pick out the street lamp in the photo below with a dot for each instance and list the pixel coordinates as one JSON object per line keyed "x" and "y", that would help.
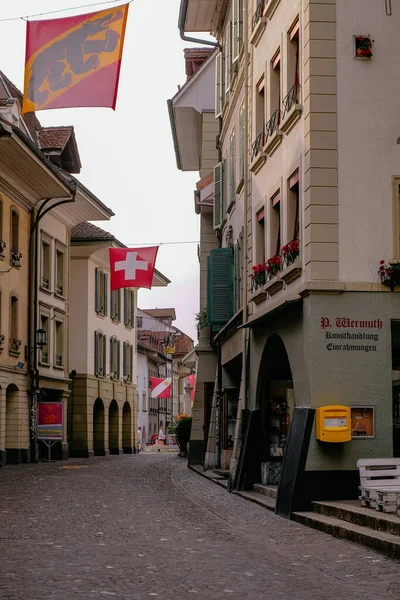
{"x": 40, "y": 338}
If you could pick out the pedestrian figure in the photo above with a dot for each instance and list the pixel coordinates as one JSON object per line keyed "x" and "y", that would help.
{"x": 140, "y": 441}
{"x": 161, "y": 434}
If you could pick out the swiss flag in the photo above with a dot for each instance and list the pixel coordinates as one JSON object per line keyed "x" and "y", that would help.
{"x": 132, "y": 267}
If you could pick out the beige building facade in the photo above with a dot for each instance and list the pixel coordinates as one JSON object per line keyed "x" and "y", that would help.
{"x": 319, "y": 211}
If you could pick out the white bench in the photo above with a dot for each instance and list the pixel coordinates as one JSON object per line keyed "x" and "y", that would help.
{"x": 379, "y": 482}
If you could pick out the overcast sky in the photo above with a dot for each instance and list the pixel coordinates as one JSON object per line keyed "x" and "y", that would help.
{"x": 127, "y": 155}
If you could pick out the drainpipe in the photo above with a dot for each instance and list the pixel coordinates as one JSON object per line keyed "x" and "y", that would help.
{"x": 181, "y": 25}
{"x": 34, "y": 304}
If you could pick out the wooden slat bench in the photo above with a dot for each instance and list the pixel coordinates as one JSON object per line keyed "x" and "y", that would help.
{"x": 379, "y": 482}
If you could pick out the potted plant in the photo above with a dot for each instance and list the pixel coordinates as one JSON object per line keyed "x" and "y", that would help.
{"x": 389, "y": 274}
{"x": 364, "y": 46}
{"x": 183, "y": 429}
{"x": 258, "y": 276}
{"x": 291, "y": 251}
{"x": 274, "y": 266}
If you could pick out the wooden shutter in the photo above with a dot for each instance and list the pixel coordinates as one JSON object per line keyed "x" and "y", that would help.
{"x": 104, "y": 355}
{"x": 105, "y": 310}
{"x": 125, "y": 306}
{"x": 124, "y": 370}
{"x": 112, "y": 307}
{"x": 232, "y": 170}
{"x": 218, "y": 195}
{"x": 236, "y": 277}
{"x": 111, "y": 357}
{"x": 118, "y": 359}
{"x": 119, "y": 304}
{"x": 242, "y": 142}
{"x": 132, "y": 308}
{"x": 220, "y": 286}
{"x": 97, "y": 290}
{"x": 131, "y": 363}
{"x": 218, "y": 86}
{"x": 228, "y": 57}
{"x": 237, "y": 28}
{"x": 96, "y": 353}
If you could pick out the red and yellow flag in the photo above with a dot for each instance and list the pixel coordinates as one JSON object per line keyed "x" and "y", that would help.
{"x": 74, "y": 61}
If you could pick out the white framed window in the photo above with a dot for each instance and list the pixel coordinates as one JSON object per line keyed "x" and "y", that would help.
{"x": 100, "y": 351}
{"x": 60, "y": 269}
{"x": 45, "y": 260}
{"x": 44, "y": 357}
{"x": 59, "y": 343}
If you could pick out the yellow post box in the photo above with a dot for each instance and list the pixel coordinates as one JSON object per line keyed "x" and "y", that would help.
{"x": 333, "y": 424}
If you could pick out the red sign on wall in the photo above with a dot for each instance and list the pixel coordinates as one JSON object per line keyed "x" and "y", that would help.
{"x": 50, "y": 421}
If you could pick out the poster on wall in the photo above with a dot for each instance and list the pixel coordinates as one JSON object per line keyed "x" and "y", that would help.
{"x": 50, "y": 421}
{"x": 362, "y": 422}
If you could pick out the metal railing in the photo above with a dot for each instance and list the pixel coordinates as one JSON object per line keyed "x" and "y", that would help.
{"x": 59, "y": 289}
{"x": 15, "y": 344}
{"x": 44, "y": 357}
{"x": 272, "y": 125}
{"x": 58, "y": 360}
{"x": 290, "y": 252}
{"x": 258, "y": 145}
{"x": 45, "y": 283}
{"x": 258, "y": 13}
{"x": 290, "y": 100}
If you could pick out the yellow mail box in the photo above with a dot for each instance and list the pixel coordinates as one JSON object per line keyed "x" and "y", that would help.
{"x": 333, "y": 424}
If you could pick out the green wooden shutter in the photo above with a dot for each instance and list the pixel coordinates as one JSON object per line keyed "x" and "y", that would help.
{"x": 220, "y": 286}
{"x": 112, "y": 307}
{"x": 218, "y": 86}
{"x": 132, "y": 308}
{"x": 104, "y": 355}
{"x": 105, "y": 310}
{"x": 242, "y": 142}
{"x": 131, "y": 363}
{"x": 118, "y": 359}
{"x": 228, "y": 57}
{"x": 124, "y": 371}
{"x": 232, "y": 170}
{"x": 111, "y": 357}
{"x": 119, "y": 304}
{"x": 96, "y": 353}
{"x": 125, "y": 306}
{"x": 236, "y": 284}
{"x": 97, "y": 290}
{"x": 218, "y": 195}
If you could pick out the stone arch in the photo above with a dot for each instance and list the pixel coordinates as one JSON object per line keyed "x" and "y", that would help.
{"x": 99, "y": 446}
{"x": 12, "y": 424}
{"x": 113, "y": 427}
{"x": 275, "y": 401}
{"x": 127, "y": 442}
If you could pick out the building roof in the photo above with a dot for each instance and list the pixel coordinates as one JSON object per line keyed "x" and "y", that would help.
{"x": 54, "y": 137}
{"x": 88, "y": 232}
{"x": 161, "y": 313}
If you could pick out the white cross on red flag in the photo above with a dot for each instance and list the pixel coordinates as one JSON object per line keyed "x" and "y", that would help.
{"x": 132, "y": 267}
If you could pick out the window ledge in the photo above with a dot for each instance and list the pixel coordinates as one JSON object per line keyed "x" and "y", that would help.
{"x": 258, "y": 162}
{"x": 231, "y": 206}
{"x": 59, "y": 367}
{"x": 258, "y": 296}
{"x": 14, "y": 352}
{"x": 273, "y": 142}
{"x": 291, "y": 118}
{"x": 271, "y": 8}
{"x": 240, "y": 186}
{"x": 100, "y": 314}
{"x": 59, "y": 296}
{"x": 43, "y": 364}
{"x": 273, "y": 286}
{"x": 292, "y": 272}
{"x": 115, "y": 320}
{"x": 258, "y": 31}
{"x": 45, "y": 290}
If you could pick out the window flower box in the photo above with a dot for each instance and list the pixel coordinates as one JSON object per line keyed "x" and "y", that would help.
{"x": 389, "y": 274}
{"x": 363, "y": 46}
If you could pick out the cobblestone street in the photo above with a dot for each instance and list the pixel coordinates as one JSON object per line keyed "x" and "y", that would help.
{"x": 134, "y": 527}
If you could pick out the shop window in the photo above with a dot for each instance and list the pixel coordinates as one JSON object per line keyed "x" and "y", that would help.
{"x": 230, "y": 406}
{"x": 279, "y": 422}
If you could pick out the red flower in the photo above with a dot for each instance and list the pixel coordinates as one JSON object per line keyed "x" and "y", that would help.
{"x": 389, "y": 271}
{"x": 382, "y": 262}
{"x": 285, "y": 249}
{"x": 254, "y": 268}
{"x": 360, "y": 38}
{"x": 267, "y": 268}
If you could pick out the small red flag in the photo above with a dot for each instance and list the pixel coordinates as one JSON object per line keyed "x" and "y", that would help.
{"x": 132, "y": 267}
{"x": 74, "y": 61}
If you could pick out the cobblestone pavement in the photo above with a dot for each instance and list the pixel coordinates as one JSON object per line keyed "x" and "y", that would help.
{"x": 135, "y": 527}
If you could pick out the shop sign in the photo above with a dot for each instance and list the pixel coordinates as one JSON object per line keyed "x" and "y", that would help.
{"x": 351, "y": 335}
{"x": 50, "y": 421}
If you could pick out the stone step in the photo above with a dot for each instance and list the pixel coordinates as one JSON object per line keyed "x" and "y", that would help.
{"x": 266, "y": 490}
{"x": 353, "y": 512}
{"x": 221, "y": 473}
{"x": 379, "y": 540}
{"x": 257, "y": 498}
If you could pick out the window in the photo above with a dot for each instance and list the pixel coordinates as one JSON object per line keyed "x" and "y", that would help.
{"x": 260, "y": 109}
{"x": 127, "y": 362}
{"x": 100, "y": 342}
{"x": 14, "y": 230}
{"x": 228, "y": 57}
{"x": 260, "y": 236}
{"x": 237, "y": 276}
{"x": 232, "y": 170}
{"x": 59, "y": 343}
{"x": 129, "y": 308}
{"x": 115, "y": 349}
{"x": 46, "y": 264}
{"x": 275, "y": 224}
{"x": 101, "y": 292}
{"x": 275, "y": 90}
{"x": 293, "y": 207}
{"x": 237, "y": 29}
{"x": 44, "y": 324}
{"x": 144, "y": 401}
{"x": 60, "y": 272}
{"x": 116, "y": 305}
{"x": 218, "y": 203}
{"x": 219, "y": 85}
{"x": 292, "y": 73}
